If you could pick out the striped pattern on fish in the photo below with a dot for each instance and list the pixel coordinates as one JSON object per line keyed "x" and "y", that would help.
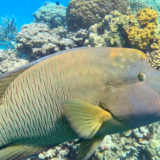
{"x": 31, "y": 111}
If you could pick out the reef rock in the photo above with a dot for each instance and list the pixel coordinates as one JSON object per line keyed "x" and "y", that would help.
{"x": 37, "y": 40}
{"x": 51, "y": 14}
{"x": 81, "y": 14}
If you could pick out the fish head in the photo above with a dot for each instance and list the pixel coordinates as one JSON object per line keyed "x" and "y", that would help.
{"x": 132, "y": 92}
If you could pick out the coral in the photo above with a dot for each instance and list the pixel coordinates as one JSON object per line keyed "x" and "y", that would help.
{"x": 9, "y": 61}
{"x": 51, "y": 14}
{"x": 140, "y": 36}
{"x": 8, "y": 32}
{"x": 82, "y": 14}
{"x": 109, "y": 32}
{"x": 78, "y": 37}
{"x": 37, "y": 40}
{"x": 154, "y": 59}
{"x": 146, "y": 16}
{"x": 139, "y": 31}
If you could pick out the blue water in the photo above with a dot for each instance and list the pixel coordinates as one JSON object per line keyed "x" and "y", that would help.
{"x": 23, "y": 9}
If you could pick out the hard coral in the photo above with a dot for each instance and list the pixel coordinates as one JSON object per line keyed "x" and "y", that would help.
{"x": 37, "y": 40}
{"x": 51, "y": 14}
{"x": 142, "y": 34}
{"x": 154, "y": 59}
{"x": 110, "y": 32}
{"x": 84, "y": 13}
{"x": 140, "y": 38}
{"x": 146, "y": 16}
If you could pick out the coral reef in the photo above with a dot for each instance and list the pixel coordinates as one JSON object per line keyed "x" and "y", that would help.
{"x": 139, "y": 31}
{"x": 82, "y": 14}
{"x": 9, "y": 61}
{"x": 37, "y": 40}
{"x": 153, "y": 59}
{"x": 51, "y": 14}
{"x": 8, "y": 32}
{"x": 109, "y": 32}
{"x": 142, "y": 36}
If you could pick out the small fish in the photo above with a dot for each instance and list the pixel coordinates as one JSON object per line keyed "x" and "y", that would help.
{"x": 57, "y": 3}
{"x": 83, "y": 93}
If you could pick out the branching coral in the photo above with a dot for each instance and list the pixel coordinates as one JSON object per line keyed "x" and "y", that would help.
{"x": 8, "y": 32}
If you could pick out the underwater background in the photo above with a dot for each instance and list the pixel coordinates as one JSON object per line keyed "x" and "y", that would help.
{"x": 23, "y": 10}
{"x": 30, "y": 30}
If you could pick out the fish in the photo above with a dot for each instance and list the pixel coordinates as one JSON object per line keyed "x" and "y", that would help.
{"x": 84, "y": 93}
{"x": 57, "y": 3}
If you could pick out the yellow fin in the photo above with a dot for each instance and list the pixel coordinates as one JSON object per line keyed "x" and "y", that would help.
{"x": 85, "y": 118}
{"x": 88, "y": 146}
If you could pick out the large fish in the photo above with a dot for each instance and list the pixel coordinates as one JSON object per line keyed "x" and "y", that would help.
{"x": 82, "y": 93}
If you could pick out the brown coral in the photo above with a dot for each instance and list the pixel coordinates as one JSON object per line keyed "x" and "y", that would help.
{"x": 84, "y": 13}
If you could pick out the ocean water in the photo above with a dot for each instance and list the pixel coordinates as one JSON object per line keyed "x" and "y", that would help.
{"x": 23, "y": 10}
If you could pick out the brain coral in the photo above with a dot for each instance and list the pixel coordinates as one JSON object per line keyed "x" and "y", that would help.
{"x": 51, "y": 14}
{"x": 84, "y": 13}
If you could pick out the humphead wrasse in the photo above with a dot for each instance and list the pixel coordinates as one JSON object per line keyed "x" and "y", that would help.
{"x": 82, "y": 93}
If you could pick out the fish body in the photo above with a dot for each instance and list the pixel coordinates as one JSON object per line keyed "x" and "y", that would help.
{"x": 81, "y": 93}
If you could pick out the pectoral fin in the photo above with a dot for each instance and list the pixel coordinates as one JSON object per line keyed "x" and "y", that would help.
{"x": 85, "y": 118}
{"x": 88, "y": 146}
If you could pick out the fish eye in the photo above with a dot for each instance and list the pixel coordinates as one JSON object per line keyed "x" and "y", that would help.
{"x": 141, "y": 76}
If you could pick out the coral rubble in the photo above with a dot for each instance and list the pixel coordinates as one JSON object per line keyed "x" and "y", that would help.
{"x": 8, "y": 32}
{"x": 51, "y": 14}
{"x": 82, "y": 14}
